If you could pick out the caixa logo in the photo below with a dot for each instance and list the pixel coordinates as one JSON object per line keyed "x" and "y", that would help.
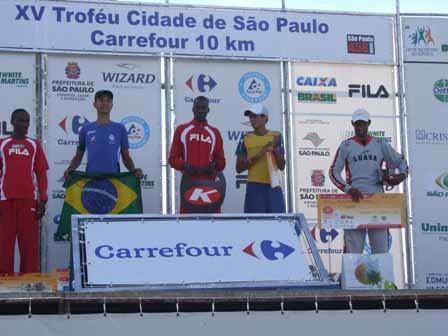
{"x": 202, "y": 195}
{"x": 74, "y": 124}
{"x": 266, "y": 250}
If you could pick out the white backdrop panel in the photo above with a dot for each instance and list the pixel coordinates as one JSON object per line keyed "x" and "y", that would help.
{"x": 426, "y": 105}
{"x": 71, "y": 83}
{"x": 220, "y": 82}
{"x": 425, "y": 39}
{"x": 316, "y": 139}
{"x": 340, "y": 88}
{"x": 17, "y": 89}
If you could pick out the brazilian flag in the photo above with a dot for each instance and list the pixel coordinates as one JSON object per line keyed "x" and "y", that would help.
{"x": 99, "y": 194}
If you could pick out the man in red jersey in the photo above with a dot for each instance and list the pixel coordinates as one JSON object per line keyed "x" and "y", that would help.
{"x": 23, "y": 195}
{"x": 197, "y": 151}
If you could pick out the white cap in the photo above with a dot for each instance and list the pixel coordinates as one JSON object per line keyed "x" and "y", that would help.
{"x": 257, "y": 109}
{"x": 360, "y": 114}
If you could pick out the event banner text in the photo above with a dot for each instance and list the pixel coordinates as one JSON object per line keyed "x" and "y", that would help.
{"x": 186, "y": 30}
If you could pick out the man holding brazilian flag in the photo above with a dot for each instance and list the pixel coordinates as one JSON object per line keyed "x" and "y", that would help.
{"x": 102, "y": 189}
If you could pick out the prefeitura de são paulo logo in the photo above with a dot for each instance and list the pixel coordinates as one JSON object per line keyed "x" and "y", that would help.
{"x": 72, "y": 70}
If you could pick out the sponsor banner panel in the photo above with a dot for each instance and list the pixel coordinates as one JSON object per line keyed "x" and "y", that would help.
{"x": 146, "y": 252}
{"x": 316, "y": 140}
{"x": 330, "y": 244}
{"x": 231, "y": 88}
{"x": 431, "y": 244}
{"x": 72, "y": 82}
{"x": 17, "y": 89}
{"x": 341, "y": 89}
{"x": 426, "y": 104}
{"x": 425, "y": 39}
{"x": 137, "y": 28}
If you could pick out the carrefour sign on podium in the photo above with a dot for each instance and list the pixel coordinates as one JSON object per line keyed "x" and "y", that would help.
{"x": 130, "y": 251}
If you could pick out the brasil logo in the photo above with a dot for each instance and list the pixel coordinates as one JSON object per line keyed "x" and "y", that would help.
{"x": 440, "y": 90}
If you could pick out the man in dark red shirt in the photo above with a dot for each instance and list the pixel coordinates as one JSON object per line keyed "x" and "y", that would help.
{"x": 23, "y": 195}
{"x": 197, "y": 148}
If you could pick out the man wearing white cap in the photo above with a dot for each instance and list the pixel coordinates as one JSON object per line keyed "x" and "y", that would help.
{"x": 362, "y": 156}
{"x": 252, "y": 155}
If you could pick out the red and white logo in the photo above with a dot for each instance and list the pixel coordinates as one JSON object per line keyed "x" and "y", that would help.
{"x": 18, "y": 151}
{"x": 200, "y": 138}
{"x": 202, "y": 195}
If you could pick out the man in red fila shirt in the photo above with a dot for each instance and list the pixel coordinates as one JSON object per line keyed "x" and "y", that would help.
{"x": 23, "y": 195}
{"x": 197, "y": 151}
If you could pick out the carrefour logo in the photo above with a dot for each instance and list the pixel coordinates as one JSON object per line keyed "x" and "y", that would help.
{"x": 254, "y": 87}
{"x": 263, "y": 250}
{"x": 323, "y": 235}
{"x": 440, "y": 90}
{"x": 138, "y": 131}
{"x": 202, "y": 83}
{"x": 266, "y": 250}
{"x": 75, "y": 124}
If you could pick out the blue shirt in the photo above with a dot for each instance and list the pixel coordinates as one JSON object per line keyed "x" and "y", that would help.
{"x": 103, "y": 143}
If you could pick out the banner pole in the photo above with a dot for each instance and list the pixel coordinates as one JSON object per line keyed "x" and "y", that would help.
{"x": 409, "y": 256}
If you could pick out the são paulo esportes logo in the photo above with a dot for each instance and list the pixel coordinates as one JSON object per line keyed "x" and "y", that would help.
{"x": 254, "y": 87}
{"x": 440, "y": 90}
{"x": 138, "y": 131}
{"x": 268, "y": 249}
{"x": 421, "y": 36}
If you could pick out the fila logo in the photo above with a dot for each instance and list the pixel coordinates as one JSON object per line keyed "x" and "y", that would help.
{"x": 366, "y": 91}
{"x": 202, "y": 195}
{"x": 201, "y": 138}
{"x": 18, "y": 151}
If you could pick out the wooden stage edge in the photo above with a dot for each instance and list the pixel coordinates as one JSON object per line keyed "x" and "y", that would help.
{"x": 219, "y": 300}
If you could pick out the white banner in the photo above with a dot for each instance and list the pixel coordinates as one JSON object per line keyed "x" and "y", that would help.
{"x": 425, "y": 39}
{"x": 324, "y": 97}
{"x": 72, "y": 82}
{"x": 17, "y": 89}
{"x": 426, "y": 105}
{"x": 140, "y": 28}
{"x": 225, "y": 84}
{"x": 162, "y": 252}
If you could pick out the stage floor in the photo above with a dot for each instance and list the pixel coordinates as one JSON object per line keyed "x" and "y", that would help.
{"x": 219, "y": 300}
